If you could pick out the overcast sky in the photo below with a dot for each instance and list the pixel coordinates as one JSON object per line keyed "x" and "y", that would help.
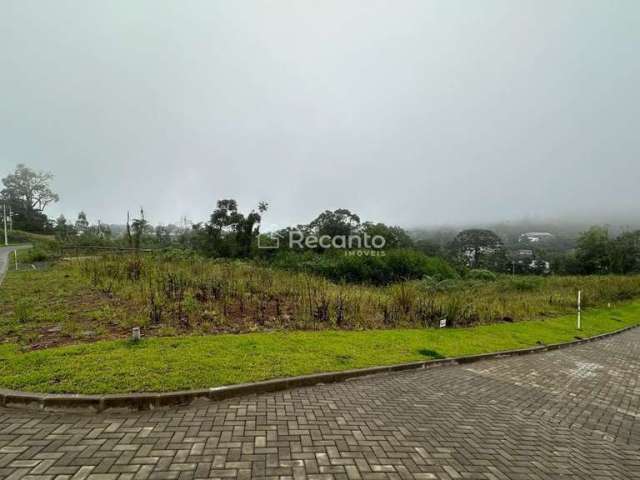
{"x": 409, "y": 112}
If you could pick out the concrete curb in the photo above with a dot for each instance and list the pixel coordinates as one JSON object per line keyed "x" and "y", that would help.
{"x": 150, "y": 401}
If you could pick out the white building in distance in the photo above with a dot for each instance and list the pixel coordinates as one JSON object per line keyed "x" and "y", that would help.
{"x": 534, "y": 237}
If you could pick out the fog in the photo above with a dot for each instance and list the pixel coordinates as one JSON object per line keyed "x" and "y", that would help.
{"x": 412, "y": 112}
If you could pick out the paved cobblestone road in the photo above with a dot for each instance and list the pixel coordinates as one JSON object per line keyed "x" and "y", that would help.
{"x": 573, "y": 413}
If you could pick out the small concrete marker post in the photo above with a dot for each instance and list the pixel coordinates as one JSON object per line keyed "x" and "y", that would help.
{"x": 135, "y": 334}
{"x": 579, "y": 309}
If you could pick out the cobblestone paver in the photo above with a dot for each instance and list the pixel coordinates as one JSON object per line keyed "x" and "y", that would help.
{"x": 572, "y": 413}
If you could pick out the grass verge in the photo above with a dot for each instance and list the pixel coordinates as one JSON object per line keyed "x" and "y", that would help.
{"x": 166, "y": 364}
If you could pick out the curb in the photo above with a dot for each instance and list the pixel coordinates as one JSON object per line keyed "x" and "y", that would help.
{"x": 151, "y": 401}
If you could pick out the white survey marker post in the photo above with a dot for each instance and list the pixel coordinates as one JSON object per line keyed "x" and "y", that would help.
{"x": 579, "y": 309}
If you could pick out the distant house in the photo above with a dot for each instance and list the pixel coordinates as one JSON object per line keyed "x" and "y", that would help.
{"x": 525, "y": 260}
{"x": 535, "y": 237}
{"x": 542, "y": 266}
{"x": 471, "y": 253}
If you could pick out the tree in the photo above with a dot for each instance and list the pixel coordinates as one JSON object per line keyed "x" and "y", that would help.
{"x": 231, "y": 233}
{"x": 222, "y": 223}
{"x": 163, "y": 234}
{"x": 139, "y": 227}
{"x": 82, "y": 224}
{"x": 128, "y": 231}
{"x": 395, "y": 237}
{"x": 62, "y": 228}
{"x": 337, "y": 223}
{"x": 478, "y": 248}
{"x": 100, "y": 231}
{"x": 343, "y": 223}
{"x": 28, "y": 193}
{"x": 624, "y": 253}
{"x": 428, "y": 247}
{"x": 593, "y": 251}
{"x": 564, "y": 263}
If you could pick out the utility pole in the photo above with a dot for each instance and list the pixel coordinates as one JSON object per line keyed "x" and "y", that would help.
{"x": 4, "y": 214}
{"x": 10, "y": 219}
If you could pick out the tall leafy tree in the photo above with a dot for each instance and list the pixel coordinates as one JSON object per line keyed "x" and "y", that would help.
{"x": 139, "y": 227}
{"x": 395, "y": 237}
{"x": 335, "y": 223}
{"x": 624, "y": 253}
{"x": 82, "y": 224}
{"x": 28, "y": 193}
{"x": 593, "y": 251}
{"x": 62, "y": 228}
{"x": 231, "y": 233}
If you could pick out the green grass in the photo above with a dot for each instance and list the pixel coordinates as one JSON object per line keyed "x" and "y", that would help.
{"x": 164, "y": 364}
{"x": 33, "y": 301}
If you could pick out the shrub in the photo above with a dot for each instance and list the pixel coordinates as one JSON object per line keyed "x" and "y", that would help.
{"x": 392, "y": 266}
{"x": 167, "y": 332}
{"x": 524, "y": 284}
{"x": 176, "y": 254}
{"x": 23, "y": 310}
{"x": 433, "y": 285}
{"x": 447, "y": 285}
{"x": 134, "y": 268}
{"x": 409, "y": 264}
{"x": 43, "y": 248}
{"x": 404, "y": 296}
{"x": 19, "y": 237}
{"x": 35, "y": 254}
{"x": 480, "y": 274}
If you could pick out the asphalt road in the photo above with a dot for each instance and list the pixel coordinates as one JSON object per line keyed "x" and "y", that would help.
{"x": 6, "y": 259}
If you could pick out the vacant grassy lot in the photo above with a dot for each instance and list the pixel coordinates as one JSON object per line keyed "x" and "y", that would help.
{"x": 163, "y": 364}
{"x": 300, "y": 323}
{"x": 103, "y": 298}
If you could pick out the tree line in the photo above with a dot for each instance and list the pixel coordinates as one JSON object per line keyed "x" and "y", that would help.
{"x": 230, "y": 233}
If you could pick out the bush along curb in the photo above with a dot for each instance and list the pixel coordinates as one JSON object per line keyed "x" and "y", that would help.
{"x": 150, "y": 401}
